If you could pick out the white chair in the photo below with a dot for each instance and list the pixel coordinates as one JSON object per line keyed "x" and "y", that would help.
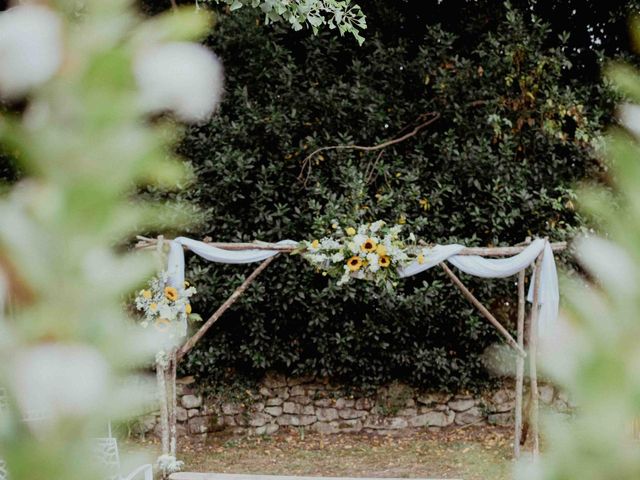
{"x": 106, "y": 452}
{"x": 105, "y": 449}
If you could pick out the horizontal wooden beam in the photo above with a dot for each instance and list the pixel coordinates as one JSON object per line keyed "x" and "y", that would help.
{"x": 147, "y": 243}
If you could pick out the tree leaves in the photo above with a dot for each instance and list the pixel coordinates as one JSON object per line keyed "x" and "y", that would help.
{"x": 489, "y": 177}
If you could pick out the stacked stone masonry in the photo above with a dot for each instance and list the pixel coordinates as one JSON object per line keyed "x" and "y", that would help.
{"x": 316, "y": 405}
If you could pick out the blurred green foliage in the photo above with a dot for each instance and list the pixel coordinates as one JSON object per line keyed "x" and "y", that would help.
{"x": 594, "y": 354}
{"x": 84, "y": 144}
{"x": 516, "y": 131}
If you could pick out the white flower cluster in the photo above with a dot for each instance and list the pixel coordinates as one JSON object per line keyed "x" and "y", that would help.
{"x": 165, "y": 307}
{"x": 182, "y": 77}
{"x": 372, "y": 251}
{"x": 168, "y": 464}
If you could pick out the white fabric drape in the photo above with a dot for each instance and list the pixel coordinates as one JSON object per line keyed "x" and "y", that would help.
{"x": 211, "y": 253}
{"x": 548, "y": 294}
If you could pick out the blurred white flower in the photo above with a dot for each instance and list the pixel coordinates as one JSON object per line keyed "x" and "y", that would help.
{"x": 185, "y": 78}
{"x": 168, "y": 464}
{"x": 373, "y": 258}
{"x": 359, "y": 239}
{"x": 610, "y": 263}
{"x": 629, "y": 116}
{"x": 375, "y": 226}
{"x": 59, "y": 379}
{"x": 31, "y": 48}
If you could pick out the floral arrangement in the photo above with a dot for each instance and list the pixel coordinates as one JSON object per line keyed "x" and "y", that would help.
{"x": 373, "y": 251}
{"x": 166, "y": 307}
{"x": 168, "y": 464}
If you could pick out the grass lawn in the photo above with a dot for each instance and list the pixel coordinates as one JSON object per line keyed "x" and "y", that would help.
{"x": 473, "y": 453}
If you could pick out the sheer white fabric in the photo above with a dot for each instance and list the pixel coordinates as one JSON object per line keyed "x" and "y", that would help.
{"x": 213, "y": 254}
{"x": 549, "y": 296}
{"x": 473, "y": 265}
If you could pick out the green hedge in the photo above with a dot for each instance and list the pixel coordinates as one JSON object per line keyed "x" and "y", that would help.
{"x": 515, "y": 133}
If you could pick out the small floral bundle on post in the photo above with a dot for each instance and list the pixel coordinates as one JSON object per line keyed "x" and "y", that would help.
{"x": 165, "y": 307}
{"x": 373, "y": 251}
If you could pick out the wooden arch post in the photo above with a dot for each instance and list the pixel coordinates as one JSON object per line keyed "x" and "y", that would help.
{"x": 533, "y": 355}
{"x": 518, "y": 347}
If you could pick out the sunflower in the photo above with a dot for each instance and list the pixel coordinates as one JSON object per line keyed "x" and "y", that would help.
{"x": 384, "y": 261}
{"x": 354, "y": 263}
{"x": 146, "y": 294}
{"x": 187, "y": 308}
{"x": 162, "y": 324}
{"x": 369, "y": 245}
{"x": 171, "y": 293}
{"x": 381, "y": 250}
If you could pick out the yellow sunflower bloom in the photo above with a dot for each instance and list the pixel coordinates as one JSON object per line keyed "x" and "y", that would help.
{"x": 171, "y": 293}
{"x": 187, "y": 308}
{"x": 384, "y": 261}
{"x": 354, "y": 263}
{"x": 350, "y": 231}
{"x": 369, "y": 245}
{"x": 146, "y": 294}
{"x": 162, "y": 324}
{"x": 381, "y": 250}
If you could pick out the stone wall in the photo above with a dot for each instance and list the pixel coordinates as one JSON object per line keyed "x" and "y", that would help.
{"x": 319, "y": 406}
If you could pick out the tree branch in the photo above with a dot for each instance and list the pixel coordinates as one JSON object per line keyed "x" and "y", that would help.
{"x": 189, "y": 344}
{"x": 306, "y": 163}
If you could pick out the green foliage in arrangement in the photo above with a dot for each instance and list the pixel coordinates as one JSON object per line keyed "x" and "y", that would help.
{"x": 514, "y": 133}
{"x": 594, "y": 356}
{"x": 340, "y": 14}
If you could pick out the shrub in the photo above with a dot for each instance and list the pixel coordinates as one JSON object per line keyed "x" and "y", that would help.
{"x": 515, "y": 133}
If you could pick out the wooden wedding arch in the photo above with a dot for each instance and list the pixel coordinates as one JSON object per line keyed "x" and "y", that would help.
{"x": 525, "y": 329}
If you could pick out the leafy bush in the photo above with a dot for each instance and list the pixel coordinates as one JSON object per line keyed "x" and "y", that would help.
{"x": 515, "y": 133}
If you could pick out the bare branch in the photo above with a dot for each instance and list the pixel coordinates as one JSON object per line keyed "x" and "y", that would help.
{"x": 306, "y": 163}
{"x": 189, "y": 344}
{"x": 483, "y": 310}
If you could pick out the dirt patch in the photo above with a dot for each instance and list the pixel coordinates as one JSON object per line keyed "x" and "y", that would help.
{"x": 472, "y": 453}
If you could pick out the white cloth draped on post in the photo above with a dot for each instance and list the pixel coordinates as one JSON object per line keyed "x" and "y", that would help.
{"x": 548, "y": 296}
